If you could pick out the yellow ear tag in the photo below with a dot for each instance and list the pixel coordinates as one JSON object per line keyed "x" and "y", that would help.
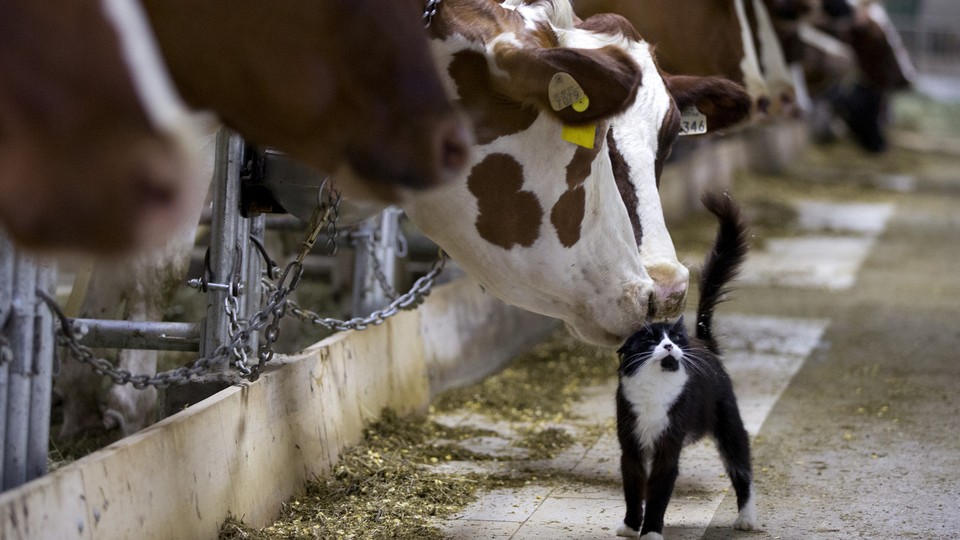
{"x": 580, "y": 135}
{"x": 581, "y": 104}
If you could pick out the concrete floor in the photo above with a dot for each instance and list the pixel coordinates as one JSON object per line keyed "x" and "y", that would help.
{"x": 842, "y": 338}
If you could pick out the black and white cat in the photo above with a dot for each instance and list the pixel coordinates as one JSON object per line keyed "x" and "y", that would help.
{"x": 673, "y": 390}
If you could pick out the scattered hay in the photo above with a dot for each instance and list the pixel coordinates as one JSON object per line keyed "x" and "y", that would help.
{"x": 387, "y": 486}
{"x": 542, "y": 384}
{"x": 545, "y": 443}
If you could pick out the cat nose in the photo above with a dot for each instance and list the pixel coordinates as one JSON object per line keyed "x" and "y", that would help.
{"x": 668, "y": 347}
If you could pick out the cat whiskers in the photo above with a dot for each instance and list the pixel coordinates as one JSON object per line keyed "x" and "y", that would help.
{"x": 694, "y": 362}
{"x": 634, "y": 359}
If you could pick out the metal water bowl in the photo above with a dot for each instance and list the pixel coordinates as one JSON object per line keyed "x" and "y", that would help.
{"x": 297, "y": 189}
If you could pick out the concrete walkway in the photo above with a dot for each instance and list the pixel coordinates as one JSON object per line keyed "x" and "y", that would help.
{"x": 842, "y": 339}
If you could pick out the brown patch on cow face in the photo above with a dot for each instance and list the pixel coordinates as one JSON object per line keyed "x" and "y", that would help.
{"x": 492, "y": 113}
{"x": 628, "y": 193}
{"x": 508, "y": 216}
{"x": 567, "y": 214}
{"x": 579, "y": 167}
{"x": 876, "y": 56}
{"x": 669, "y": 130}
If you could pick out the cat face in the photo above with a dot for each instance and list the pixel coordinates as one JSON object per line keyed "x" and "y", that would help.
{"x": 661, "y": 343}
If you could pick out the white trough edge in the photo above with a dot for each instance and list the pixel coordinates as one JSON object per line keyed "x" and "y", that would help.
{"x": 247, "y": 449}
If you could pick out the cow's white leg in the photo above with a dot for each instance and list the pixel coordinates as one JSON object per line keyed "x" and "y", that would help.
{"x": 77, "y": 385}
{"x": 144, "y": 287}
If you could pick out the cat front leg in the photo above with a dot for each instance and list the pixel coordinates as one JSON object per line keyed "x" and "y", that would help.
{"x": 634, "y": 482}
{"x": 663, "y": 477}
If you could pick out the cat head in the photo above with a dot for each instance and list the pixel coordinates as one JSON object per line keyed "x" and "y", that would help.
{"x": 662, "y": 342}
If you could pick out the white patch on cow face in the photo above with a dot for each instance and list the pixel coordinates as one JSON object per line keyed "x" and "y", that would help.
{"x": 152, "y": 80}
{"x": 636, "y": 134}
{"x": 558, "y": 13}
{"x": 750, "y": 64}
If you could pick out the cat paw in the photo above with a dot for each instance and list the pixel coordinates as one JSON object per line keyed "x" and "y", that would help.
{"x": 745, "y": 524}
{"x": 747, "y": 519}
{"x": 652, "y": 536}
{"x": 627, "y": 531}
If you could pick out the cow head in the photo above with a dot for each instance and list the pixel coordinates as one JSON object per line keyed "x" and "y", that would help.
{"x": 537, "y": 218}
{"x": 347, "y": 87}
{"x": 88, "y": 160}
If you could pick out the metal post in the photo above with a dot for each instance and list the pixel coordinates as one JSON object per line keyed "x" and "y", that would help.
{"x": 41, "y": 388}
{"x": 368, "y": 294}
{"x": 224, "y": 235}
{"x": 18, "y": 375}
{"x": 7, "y": 257}
{"x": 228, "y": 236}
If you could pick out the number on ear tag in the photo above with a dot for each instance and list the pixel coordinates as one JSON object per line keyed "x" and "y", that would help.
{"x": 580, "y": 135}
{"x": 692, "y": 122}
{"x": 564, "y": 91}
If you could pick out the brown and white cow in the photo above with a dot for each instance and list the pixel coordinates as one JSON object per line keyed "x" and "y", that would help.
{"x": 573, "y": 231}
{"x": 853, "y": 58}
{"x": 93, "y": 135}
{"x": 726, "y": 38}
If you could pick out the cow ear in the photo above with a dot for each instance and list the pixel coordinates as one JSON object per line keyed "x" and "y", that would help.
{"x": 724, "y": 102}
{"x": 607, "y": 76}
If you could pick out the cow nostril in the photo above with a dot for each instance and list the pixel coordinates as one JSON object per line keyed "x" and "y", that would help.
{"x": 454, "y": 146}
{"x": 763, "y": 104}
{"x": 651, "y": 306}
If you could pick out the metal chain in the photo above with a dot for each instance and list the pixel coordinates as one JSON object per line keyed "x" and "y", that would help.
{"x": 6, "y": 351}
{"x": 67, "y": 338}
{"x": 378, "y": 272}
{"x": 237, "y": 346}
{"x": 430, "y": 11}
{"x": 268, "y": 319}
{"x": 410, "y": 300}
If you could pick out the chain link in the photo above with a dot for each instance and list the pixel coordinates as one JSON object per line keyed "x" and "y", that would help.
{"x": 6, "y": 351}
{"x": 430, "y": 11}
{"x": 413, "y": 298}
{"x": 378, "y": 272}
{"x": 238, "y": 350}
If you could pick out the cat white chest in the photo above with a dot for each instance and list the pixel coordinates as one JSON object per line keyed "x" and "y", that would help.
{"x": 651, "y": 392}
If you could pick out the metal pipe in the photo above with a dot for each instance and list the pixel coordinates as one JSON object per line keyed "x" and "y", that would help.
{"x": 158, "y": 336}
{"x": 41, "y": 387}
{"x": 7, "y": 256}
{"x": 18, "y": 375}
{"x": 223, "y": 235}
{"x": 253, "y": 270}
